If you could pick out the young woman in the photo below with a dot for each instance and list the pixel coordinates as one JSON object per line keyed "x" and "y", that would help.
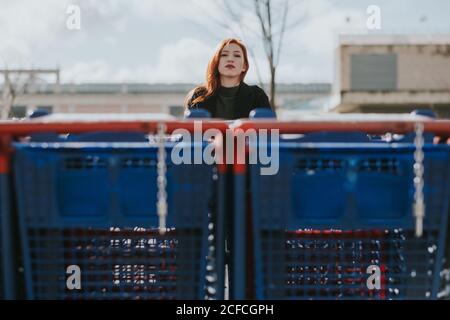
{"x": 225, "y": 94}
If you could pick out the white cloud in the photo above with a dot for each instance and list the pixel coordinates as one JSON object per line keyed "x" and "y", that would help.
{"x": 173, "y": 9}
{"x": 31, "y": 27}
{"x": 324, "y": 21}
{"x": 27, "y": 26}
{"x": 308, "y": 53}
{"x": 91, "y": 71}
{"x": 319, "y": 34}
{"x": 105, "y": 14}
{"x": 183, "y": 61}
{"x": 116, "y": 36}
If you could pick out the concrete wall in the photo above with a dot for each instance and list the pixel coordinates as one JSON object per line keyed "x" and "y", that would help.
{"x": 129, "y": 102}
{"x": 419, "y": 67}
{"x": 423, "y": 79}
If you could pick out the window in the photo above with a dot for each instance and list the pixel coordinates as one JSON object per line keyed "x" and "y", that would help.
{"x": 18, "y": 112}
{"x": 177, "y": 111}
{"x": 373, "y": 72}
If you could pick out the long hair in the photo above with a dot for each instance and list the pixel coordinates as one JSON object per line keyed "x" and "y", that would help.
{"x": 212, "y": 73}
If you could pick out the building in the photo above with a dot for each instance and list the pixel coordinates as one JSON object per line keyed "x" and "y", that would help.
{"x": 139, "y": 98}
{"x": 390, "y": 74}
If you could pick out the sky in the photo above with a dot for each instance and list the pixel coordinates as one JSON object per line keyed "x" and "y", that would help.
{"x": 171, "y": 41}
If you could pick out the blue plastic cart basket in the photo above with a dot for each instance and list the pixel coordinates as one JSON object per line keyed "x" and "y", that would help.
{"x": 336, "y": 209}
{"x": 89, "y": 209}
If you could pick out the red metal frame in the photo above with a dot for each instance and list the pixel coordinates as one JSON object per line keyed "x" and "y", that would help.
{"x": 439, "y": 127}
{"x": 14, "y": 129}
{"x": 22, "y": 128}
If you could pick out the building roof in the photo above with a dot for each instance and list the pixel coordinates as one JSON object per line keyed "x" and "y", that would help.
{"x": 394, "y": 39}
{"x": 145, "y": 88}
{"x": 324, "y": 88}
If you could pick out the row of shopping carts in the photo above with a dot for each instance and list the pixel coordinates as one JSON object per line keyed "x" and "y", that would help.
{"x": 102, "y": 209}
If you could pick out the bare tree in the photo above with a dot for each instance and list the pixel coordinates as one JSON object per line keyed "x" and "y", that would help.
{"x": 260, "y": 22}
{"x": 272, "y": 47}
{"x": 23, "y": 81}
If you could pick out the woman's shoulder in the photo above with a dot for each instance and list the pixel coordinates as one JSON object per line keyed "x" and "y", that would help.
{"x": 260, "y": 98}
{"x": 193, "y": 94}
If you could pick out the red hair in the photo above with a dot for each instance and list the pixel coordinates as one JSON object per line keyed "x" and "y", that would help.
{"x": 212, "y": 72}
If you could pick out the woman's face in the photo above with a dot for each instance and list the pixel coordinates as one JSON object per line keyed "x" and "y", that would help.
{"x": 231, "y": 62}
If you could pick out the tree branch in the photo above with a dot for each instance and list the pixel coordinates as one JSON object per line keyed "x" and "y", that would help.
{"x": 283, "y": 25}
{"x": 269, "y": 21}
{"x": 237, "y": 18}
{"x": 263, "y": 27}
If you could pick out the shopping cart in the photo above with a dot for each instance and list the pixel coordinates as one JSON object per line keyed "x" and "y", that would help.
{"x": 89, "y": 219}
{"x": 341, "y": 210}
